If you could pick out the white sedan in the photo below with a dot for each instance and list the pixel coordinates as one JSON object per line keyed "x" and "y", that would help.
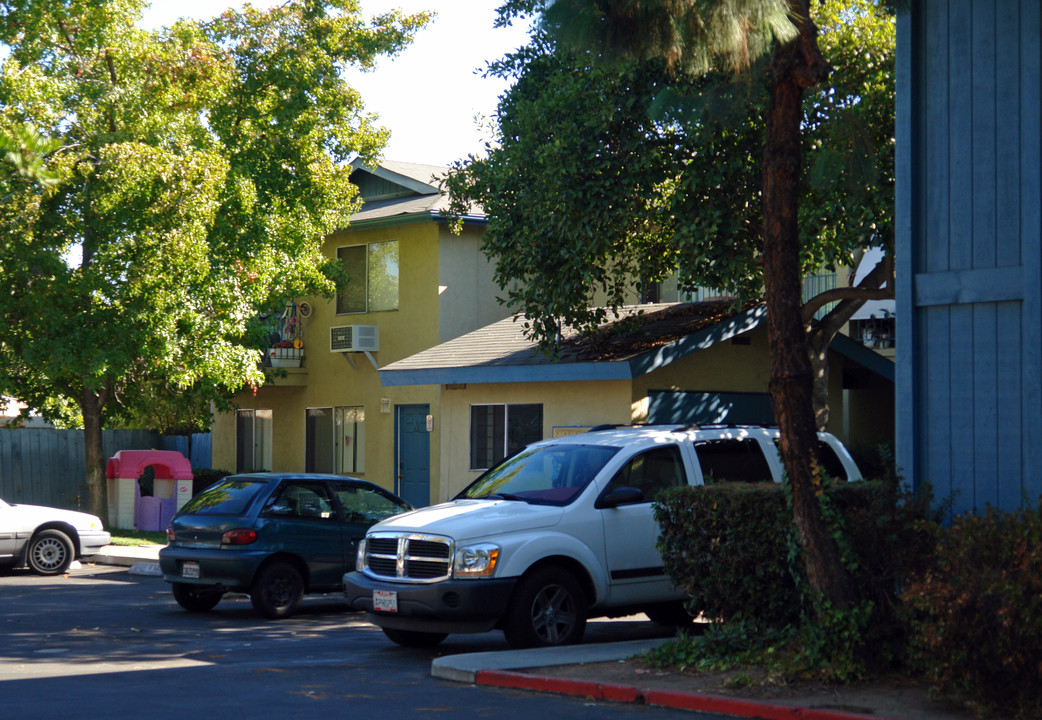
{"x": 48, "y": 539}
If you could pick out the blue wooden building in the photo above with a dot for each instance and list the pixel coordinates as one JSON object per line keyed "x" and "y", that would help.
{"x": 969, "y": 250}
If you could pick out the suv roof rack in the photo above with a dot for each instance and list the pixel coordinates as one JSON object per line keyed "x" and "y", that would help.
{"x": 614, "y": 426}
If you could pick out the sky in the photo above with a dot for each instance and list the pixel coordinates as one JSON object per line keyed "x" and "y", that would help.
{"x": 429, "y": 96}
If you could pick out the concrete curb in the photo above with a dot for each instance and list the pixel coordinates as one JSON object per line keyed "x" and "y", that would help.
{"x": 465, "y": 667}
{"x": 701, "y": 702}
{"x": 145, "y": 568}
{"x": 141, "y": 559}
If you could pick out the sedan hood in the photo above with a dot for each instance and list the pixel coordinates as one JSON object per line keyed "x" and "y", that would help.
{"x": 29, "y": 516}
{"x": 469, "y": 519}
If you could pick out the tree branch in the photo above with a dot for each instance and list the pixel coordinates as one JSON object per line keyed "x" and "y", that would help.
{"x": 68, "y": 41}
{"x": 877, "y": 285}
{"x": 115, "y": 81}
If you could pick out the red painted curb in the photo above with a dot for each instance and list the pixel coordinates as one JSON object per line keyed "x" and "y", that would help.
{"x": 721, "y": 704}
{"x": 586, "y": 688}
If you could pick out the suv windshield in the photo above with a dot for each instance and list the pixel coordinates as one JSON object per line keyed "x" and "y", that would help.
{"x": 227, "y": 497}
{"x": 546, "y": 475}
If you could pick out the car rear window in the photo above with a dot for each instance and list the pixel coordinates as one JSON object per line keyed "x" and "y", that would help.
{"x": 225, "y": 497}
{"x": 733, "y": 460}
{"x": 831, "y": 465}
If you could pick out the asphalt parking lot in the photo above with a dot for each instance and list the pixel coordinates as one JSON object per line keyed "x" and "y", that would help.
{"x": 101, "y": 642}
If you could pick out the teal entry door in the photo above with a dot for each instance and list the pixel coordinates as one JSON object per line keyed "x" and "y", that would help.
{"x": 413, "y": 454}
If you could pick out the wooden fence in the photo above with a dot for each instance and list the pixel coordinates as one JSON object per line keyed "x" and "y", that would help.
{"x": 43, "y": 466}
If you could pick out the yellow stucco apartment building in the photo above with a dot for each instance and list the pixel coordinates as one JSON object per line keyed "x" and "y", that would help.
{"x": 417, "y": 379}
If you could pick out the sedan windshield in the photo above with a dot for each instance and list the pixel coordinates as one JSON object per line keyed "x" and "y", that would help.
{"x": 547, "y": 475}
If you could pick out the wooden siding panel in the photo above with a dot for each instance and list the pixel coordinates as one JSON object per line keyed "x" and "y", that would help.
{"x": 932, "y": 248}
{"x": 960, "y": 145}
{"x": 1008, "y": 130}
{"x": 982, "y": 148}
{"x": 985, "y": 381}
{"x": 1030, "y": 233}
{"x": 14, "y": 462}
{"x": 43, "y": 447}
{"x": 936, "y": 420}
{"x": 1010, "y": 438}
{"x": 908, "y": 170}
{"x": 962, "y": 404}
{"x": 969, "y": 249}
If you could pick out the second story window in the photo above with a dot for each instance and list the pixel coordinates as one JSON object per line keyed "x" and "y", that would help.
{"x": 373, "y": 270}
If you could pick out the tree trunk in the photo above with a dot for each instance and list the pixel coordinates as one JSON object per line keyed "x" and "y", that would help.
{"x": 818, "y": 351}
{"x": 94, "y": 454}
{"x": 797, "y": 65}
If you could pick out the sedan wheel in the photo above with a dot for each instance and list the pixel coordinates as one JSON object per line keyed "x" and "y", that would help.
{"x": 50, "y": 552}
{"x": 277, "y": 591}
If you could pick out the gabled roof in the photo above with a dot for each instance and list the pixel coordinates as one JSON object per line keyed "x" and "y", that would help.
{"x": 651, "y": 336}
{"x": 418, "y": 178}
{"x": 400, "y": 191}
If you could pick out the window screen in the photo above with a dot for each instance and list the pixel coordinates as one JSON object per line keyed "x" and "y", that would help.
{"x": 498, "y": 431}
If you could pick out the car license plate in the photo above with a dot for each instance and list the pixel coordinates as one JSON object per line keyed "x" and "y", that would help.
{"x": 385, "y": 600}
{"x": 190, "y": 570}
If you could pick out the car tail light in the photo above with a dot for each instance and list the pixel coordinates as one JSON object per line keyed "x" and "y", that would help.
{"x": 239, "y": 536}
{"x": 170, "y": 535}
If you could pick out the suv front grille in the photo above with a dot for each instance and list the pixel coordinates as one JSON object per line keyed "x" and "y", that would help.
{"x": 408, "y": 557}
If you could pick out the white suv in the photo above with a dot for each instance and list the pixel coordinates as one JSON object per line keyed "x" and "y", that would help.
{"x": 562, "y": 531}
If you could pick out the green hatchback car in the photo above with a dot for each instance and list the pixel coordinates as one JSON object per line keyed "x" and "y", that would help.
{"x": 275, "y": 536}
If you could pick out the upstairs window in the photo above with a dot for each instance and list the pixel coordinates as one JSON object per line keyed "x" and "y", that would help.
{"x": 373, "y": 272}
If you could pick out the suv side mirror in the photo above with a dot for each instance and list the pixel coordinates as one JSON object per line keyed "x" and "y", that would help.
{"x": 621, "y": 496}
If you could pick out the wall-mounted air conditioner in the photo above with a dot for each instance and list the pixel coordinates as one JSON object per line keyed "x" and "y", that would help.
{"x": 354, "y": 338}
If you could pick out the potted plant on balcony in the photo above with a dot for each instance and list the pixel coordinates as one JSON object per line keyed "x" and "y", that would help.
{"x": 286, "y": 353}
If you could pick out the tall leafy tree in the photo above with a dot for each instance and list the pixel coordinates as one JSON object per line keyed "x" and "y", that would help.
{"x": 23, "y": 153}
{"x": 197, "y": 170}
{"x": 634, "y": 145}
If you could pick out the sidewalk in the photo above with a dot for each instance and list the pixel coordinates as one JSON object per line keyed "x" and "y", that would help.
{"x": 602, "y": 671}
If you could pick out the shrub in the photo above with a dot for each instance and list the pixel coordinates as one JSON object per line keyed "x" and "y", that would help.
{"x": 733, "y": 548}
{"x": 977, "y": 615}
{"x": 890, "y": 535}
{"x": 203, "y": 477}
{"x": 727, "y": 547}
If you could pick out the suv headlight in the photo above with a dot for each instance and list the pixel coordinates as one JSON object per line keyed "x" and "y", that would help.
{"x": 360, "y": 556}
{"x": 475, "y": 561}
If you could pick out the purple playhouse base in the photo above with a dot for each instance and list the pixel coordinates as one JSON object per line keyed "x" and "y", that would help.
{"x": 153, "y": 514}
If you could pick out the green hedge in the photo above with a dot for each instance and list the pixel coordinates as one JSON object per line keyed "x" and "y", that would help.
{"x": 733, "y": 547}
{"x": 727, "y": 547}
{"x": 962, "y": 604}
{"x": 203, "y": 477}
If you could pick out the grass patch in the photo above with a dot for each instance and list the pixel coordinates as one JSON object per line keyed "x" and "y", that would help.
{"x": 137, "y": 537}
